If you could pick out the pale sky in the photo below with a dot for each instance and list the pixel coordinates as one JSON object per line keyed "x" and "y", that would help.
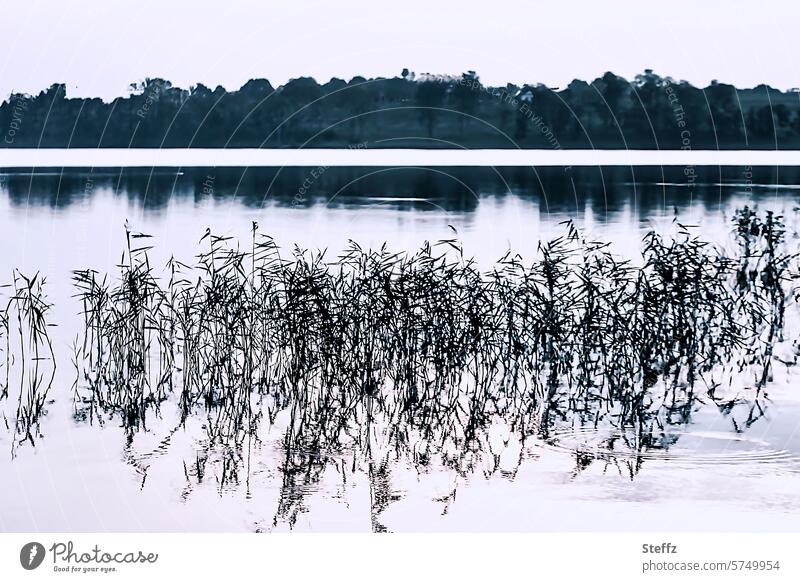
{"x": 99, "y": 47}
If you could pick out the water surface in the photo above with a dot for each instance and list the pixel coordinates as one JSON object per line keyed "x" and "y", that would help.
{"x": 91, "y": 476}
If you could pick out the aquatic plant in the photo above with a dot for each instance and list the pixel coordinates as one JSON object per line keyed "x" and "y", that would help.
{"x": 124, "y": 335}
{"x": 30, "y": 362}
{"x": 377, "y": 354}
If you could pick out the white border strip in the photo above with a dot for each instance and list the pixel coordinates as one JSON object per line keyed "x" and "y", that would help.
{"x": 595, "y": 557}
{"x": 113, "y": 158}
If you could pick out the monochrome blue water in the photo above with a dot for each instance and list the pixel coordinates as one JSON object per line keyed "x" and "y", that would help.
{"x": 83, "y": 476}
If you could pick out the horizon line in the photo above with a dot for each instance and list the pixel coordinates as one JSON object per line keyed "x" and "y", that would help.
{"x": 384, "y": 157}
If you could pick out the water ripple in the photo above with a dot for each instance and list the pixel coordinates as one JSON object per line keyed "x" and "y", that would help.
{"x": 689, "y": 449}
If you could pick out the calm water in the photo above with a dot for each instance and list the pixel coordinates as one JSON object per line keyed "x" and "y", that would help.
{"x": 83, "y": 476}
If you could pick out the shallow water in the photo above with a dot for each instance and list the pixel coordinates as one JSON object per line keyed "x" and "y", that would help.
{"x": 86, "y": 477}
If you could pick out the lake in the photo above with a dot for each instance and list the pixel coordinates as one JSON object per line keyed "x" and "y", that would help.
{"x": 90, "y": 474}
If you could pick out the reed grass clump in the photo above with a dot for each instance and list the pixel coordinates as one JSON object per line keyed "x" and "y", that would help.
{"x": 30, "y": 362}
{"x": 427, "y": 349}
{"x": 124, "y": 356}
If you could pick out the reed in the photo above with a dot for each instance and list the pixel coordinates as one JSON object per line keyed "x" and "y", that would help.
{"x": 30, "y": 361}
{"x": 124, "y": 357}
{"x": 418, "y": 353}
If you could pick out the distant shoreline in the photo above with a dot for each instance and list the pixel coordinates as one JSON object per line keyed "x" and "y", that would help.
{"x": 422, "y": 112}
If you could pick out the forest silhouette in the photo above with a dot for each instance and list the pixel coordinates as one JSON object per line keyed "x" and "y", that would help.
{"x": 422, "y": 111}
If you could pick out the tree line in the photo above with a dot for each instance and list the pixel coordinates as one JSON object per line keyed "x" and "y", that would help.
{"x": 412, "y": 110}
